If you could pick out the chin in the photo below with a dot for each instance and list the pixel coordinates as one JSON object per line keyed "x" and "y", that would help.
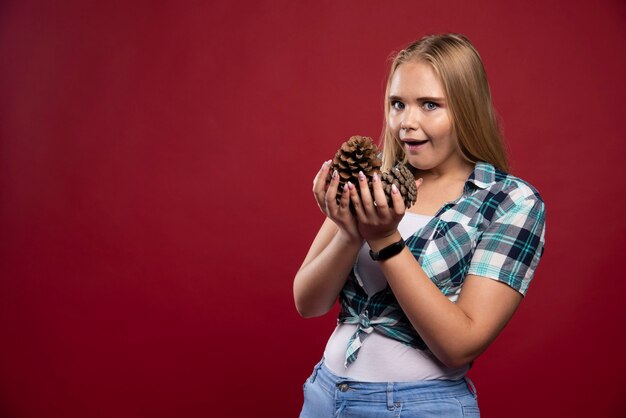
{"x": 418, "y": 165}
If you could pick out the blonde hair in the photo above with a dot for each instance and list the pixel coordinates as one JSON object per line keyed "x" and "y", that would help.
{"x": 461, "y": 71}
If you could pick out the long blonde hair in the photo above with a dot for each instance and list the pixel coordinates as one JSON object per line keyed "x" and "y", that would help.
{"x": 461, "y": 71}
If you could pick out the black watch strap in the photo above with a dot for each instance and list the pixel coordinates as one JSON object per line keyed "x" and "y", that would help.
{"x": 388, "y": 252}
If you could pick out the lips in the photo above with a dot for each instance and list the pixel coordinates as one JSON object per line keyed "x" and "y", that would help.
{"x": 415, "y": 144}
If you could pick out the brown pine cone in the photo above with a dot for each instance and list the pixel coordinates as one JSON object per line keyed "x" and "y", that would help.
{"x": 360, "y": 153}
{"x": 404, "y": 180}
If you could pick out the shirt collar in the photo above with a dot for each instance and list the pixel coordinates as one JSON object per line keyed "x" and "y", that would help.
{"x": 483, "y": 176}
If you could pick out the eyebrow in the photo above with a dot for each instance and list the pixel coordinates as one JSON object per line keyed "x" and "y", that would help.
{"x": 420, "y": 99}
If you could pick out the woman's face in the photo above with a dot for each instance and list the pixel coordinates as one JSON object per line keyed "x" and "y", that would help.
{"x": 420, "y": 119}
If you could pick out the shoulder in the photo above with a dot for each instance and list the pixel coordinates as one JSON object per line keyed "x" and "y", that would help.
{"x": 521, "y": 189}
{"x": 502, "y": 191}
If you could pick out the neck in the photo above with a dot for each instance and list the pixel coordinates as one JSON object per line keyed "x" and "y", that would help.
{"x": 451, "y": 172}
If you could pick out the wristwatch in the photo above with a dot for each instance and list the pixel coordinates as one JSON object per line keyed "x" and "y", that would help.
{"x": 388, "y": 252}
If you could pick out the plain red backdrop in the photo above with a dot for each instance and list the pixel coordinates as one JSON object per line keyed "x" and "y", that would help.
{"x": 156, "y": 161}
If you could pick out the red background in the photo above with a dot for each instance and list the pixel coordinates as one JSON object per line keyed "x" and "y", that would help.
{"x": 155, "y": 171}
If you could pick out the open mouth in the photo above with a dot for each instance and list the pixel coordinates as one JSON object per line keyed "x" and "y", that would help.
{"x": 414, "y": 142}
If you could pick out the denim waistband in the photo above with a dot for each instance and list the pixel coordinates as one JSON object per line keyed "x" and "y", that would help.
{"x": 390, "y": 392}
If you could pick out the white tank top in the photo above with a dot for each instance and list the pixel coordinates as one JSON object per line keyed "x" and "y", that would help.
{"x": 382, "y": 359}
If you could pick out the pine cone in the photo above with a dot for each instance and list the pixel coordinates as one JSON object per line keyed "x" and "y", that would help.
{"x": 359, "y": 153}
{"x": 404, "y": 180}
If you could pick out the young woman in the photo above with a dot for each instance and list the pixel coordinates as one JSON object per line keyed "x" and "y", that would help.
{"x": 444, "y": 276}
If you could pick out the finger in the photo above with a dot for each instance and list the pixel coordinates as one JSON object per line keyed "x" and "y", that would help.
{"x": 398, "y": 201}
{"x": 319, "y": 182}
{"x": 356, "y": 203}
{"x": 366, "y": 197}
{"x": 379, "y": 195}
{"x": 331, "y": 193}
{"x": 344, "y": 203}
{"x": 319, "y": 186}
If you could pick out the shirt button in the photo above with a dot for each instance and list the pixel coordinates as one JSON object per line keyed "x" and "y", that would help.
{"x": 343, "y": 387}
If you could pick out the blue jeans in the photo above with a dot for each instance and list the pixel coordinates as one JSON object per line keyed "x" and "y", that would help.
{"x": 329, "y": 396}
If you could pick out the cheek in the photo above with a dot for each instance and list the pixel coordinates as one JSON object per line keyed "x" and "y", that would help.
{"x": 393, "y": 122}
{"x": 441, "y": 126}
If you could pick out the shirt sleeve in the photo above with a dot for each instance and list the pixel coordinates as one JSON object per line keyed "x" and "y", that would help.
{"x": 510, "y": 248}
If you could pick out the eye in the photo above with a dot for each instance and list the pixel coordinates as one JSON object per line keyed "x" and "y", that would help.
{"x": 397, "y": 105}
{"x": 430, "y": 105}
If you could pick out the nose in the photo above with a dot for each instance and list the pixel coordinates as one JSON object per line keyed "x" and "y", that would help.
{"x": 410, "y": 119}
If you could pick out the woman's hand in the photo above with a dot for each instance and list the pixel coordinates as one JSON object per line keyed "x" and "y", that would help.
{"x": 326, "y": 198}
{"x": 376, "y": 220}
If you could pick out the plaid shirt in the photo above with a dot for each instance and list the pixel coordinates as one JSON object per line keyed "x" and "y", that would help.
{"x": 496, "y": 229}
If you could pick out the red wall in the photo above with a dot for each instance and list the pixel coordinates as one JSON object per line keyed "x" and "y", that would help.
{"x": 155, "y": 172}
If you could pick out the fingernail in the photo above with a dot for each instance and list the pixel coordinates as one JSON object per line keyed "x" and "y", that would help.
{"x": 375, "y": 178}
{"x": 394, "y": 189}
{"x": 335, "y": 174}
{"x": 350, "y": 186}
{"x": 345, "y": 187}
{"x": 361, "y": 176}
{"x": 324, "y": 165}
{"x": 420, "y": 181}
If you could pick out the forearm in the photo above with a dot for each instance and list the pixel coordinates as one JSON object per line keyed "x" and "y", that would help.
{"x": 319, "y": 281}
{"x": 447, "y": 330}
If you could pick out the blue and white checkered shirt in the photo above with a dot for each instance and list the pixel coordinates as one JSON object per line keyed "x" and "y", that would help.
{"x": 496, "y": 229}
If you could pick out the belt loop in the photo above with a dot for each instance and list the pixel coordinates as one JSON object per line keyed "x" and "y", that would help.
{"x": 316, "y": 369}
{"x": 390, "y": 396}
{"x": 471, "y": 387}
